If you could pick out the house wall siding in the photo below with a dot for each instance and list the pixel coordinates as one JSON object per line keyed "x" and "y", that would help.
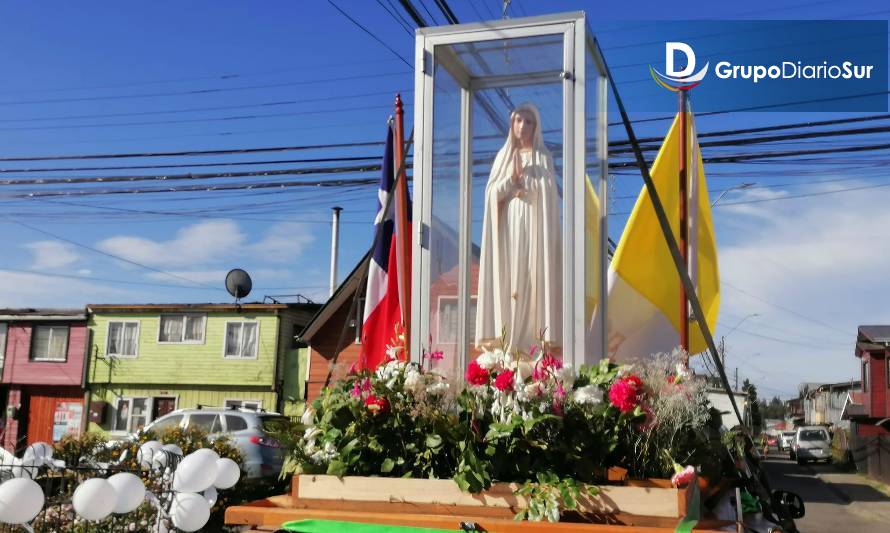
{"x": 323, "y": 348}
{"x": 194, "y": 364}
{"x": 18, "y": 367}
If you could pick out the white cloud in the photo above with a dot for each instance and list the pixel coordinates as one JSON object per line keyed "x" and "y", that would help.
{"x": 284, "y": 242}
{"x": 199, "y": 244}
{"x": 37, "y": 290}
{"x": 213, "y": 242}
{"x": 51, "y": 254}
{"x": 824, "y": 258}
{"x": 217, "y": 277}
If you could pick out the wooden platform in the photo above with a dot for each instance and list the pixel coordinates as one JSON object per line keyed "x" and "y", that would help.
{"x": 274, "y": 511}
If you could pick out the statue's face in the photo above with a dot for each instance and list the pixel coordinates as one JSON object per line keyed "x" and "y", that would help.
{"x": 524, "y": 127}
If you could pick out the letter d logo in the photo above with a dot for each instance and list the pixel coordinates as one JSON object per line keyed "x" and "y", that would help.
{"x": 675, "y": 80}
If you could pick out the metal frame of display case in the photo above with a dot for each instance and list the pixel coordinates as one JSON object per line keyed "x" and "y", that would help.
{"x": 577, "y": 42}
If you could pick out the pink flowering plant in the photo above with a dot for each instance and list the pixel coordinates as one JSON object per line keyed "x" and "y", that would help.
{"x": 514, "y": 417}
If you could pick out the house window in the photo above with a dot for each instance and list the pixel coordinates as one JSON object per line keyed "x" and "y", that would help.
{"x": 49, "y": 343}
{"x": 181, "y": 329}
{"x": 241, "y": 340}
{"x": 447, "y": 320}
{"x": 866, "y": 375}
{"x": 123, "y": 339}
{"x": 131, "y": 414}
{"x": 254, "y": 405}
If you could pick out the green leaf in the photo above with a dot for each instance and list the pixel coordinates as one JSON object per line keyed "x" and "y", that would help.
{"x": 433, "y": 441}
{"x": 387, "y": 466}
{"x": 461, "y": 481}
{"x": 337, "y": 468}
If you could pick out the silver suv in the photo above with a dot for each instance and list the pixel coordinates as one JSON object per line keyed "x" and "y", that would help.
{"x": 811, "y": 443}
{"x": 247, "y": 429}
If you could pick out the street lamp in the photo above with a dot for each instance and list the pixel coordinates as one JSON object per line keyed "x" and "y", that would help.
{"x": 733, "y": 188}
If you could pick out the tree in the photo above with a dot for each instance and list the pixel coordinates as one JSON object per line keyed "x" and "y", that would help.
{"x": 754, "y": 405}
{"x": 775, "y": 409}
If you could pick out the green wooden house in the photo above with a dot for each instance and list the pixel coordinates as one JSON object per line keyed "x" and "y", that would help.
{"x": 147, "y": 360}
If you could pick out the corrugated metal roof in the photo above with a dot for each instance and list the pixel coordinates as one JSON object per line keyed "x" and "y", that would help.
{"x": 875, "y": 333}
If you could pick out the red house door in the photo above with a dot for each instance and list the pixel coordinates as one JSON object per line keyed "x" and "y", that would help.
{"x": 53, "y": 414}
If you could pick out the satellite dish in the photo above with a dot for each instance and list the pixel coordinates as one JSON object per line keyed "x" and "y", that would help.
{"x": 238, "y": 283}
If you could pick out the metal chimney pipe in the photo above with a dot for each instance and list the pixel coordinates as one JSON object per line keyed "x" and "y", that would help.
{"x": 335, "y": 237}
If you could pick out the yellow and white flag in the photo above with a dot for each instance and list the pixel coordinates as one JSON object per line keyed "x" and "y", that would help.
{"x": 644, "y": 286}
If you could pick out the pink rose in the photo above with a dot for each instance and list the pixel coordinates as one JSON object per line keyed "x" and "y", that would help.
{"x": 625, "y": 393}
{"x": 504, "y": 381}
{"x": 683, "y": 477}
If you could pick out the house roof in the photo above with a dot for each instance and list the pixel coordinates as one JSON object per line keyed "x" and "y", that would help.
{"x": 875, "y": 334}
{"x": 195, "y": 307}
{"x": 346, "y": 289}
{"x": 41, "y": 314}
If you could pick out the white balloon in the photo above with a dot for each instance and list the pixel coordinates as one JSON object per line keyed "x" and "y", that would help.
{"x": 227, "y": 473}
{"x": 189, "y": 511}
{"x": 146, "y": 452}
{"x": 20, "y": 501}
{"x": 94, "y": 499}
{"x": 211, "y": 496}
{"x": 172, "y": 448}
{"x": 130, "y": 492}
{"x": 196, "y": 472}
{"x": 38, "y": 452}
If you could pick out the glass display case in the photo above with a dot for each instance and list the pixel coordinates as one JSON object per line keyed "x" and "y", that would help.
{"x": 510, "y": 168}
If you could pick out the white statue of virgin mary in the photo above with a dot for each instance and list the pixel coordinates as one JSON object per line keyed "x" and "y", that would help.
{"x": 520, "y": 268}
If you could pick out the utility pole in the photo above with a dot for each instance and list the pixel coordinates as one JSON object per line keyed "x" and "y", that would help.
{"x": 736, "y": 378}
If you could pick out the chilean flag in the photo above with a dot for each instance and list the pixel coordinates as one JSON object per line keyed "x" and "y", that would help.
{"x": 383, "y": 310}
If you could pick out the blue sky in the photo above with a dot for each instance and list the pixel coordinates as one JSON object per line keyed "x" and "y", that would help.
{"x": 108, "y": 77}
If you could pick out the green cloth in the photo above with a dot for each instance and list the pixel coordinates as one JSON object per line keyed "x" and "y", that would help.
{"x": 336, "y": 526}
{"x": 693, "y": 512}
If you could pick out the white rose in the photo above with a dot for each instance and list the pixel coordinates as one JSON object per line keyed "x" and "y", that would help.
{"x": 566, "y": 375}
{"x": 487, "y": 360}
{"x": 413, "y": 381}
{"x": 311, "y": 433}
{"x": 588, "y": 395}
{"x": 308, "y": 418}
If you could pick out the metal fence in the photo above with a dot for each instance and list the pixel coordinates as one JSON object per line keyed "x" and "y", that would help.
{"x": 59, "y": 483}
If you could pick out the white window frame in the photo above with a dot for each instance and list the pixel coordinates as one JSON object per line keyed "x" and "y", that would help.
{"x": 259, "y": 403}
{"x": 183, "y": 316}
{"x": 129, "y": 399}
{"x": 33, "y": 357}
{"x": 4, "y": 333}
{"x": 256, "y": 347}
{"x": 108, "y": 337}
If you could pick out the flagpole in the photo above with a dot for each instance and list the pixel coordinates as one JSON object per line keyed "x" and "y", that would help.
{"x": 684, "y": 219}
{"x": 403, "y": 237}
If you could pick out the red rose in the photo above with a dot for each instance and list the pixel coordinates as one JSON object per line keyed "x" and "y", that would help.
{"x": 377, "y": 405}
{"x": 504, "y": 381}
{"x": 624, "y": 394}
{"x": 476, "y": 375}
{"x": 635, "y": 380}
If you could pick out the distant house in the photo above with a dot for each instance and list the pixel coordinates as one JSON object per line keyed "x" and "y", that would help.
{"x": 42, "y": 359}
{"x": 720, "y": 401}
{"x": 147, "y": 360}
{"x": 869, "y": 410}
{"x": 823, "y": 404}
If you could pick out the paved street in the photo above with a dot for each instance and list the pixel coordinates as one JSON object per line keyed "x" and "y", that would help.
{"x": 835, "y": 501}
